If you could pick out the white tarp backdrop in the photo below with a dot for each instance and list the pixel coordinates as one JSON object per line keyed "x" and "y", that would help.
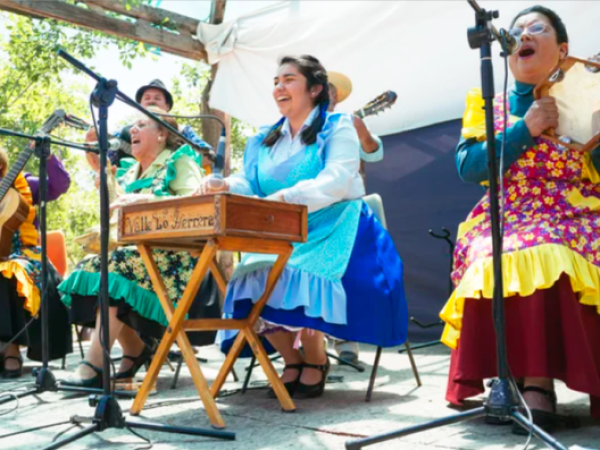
{"x": 418, "y": 49}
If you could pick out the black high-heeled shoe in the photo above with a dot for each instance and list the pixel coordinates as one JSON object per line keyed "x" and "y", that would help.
{"x": 94, "y": 382}
{"x": 314, "y": 390}
{"x": 13, "y": 373}
{"x": 138, "y": 362}
{"x": 290, "y": 386}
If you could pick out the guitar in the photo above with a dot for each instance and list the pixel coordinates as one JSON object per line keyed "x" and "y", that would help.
{"x": 377, "y": 105}
{"x": 14, "y": 209}
{"x": 374, "y": 107}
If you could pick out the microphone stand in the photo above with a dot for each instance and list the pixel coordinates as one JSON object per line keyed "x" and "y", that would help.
{"x": 108, "y": 413}
{"x": 503, "y": 402}
{"x": 45, "y": 380}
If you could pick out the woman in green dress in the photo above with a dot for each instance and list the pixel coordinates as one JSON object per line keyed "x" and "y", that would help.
{"x": 134, "y": 307}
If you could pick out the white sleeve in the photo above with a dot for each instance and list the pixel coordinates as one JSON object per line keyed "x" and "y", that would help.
{"x": 375, "y": 156}
{"x": 342, "y": 161}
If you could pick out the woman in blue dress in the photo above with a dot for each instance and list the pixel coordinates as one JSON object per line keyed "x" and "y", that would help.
{"x": 346, "y": 280}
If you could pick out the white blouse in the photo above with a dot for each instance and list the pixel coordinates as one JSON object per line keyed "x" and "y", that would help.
{"x": 339, "y": 180}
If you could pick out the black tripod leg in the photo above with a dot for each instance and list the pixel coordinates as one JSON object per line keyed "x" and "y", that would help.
{"x": 345, "y": 362}
{"x": 537, "y": 431}
{"x": 469, "y": 415}
{"x": 89, "y": 430}
{"x": 227, "y": 435}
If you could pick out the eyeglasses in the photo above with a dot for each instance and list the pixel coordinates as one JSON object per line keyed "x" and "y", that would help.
{"x": 532, "y": 30}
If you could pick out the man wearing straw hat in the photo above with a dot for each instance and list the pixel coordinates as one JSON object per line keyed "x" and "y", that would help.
{"x": 371, "y": 150}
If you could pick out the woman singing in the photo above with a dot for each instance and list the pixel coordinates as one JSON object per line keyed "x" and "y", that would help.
{"x": 551, "y": 258}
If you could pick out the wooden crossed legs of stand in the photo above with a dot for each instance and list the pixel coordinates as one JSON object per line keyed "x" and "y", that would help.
{"x": 178, "y": 325}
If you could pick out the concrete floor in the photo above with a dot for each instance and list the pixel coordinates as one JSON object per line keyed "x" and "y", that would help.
{"x": 325, "y": 423}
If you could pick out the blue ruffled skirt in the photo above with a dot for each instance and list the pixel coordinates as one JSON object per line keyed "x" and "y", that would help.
{"x": 375, "y": 309}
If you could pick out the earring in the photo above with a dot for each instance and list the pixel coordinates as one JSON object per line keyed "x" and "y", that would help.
{"x": 160, "y": 138}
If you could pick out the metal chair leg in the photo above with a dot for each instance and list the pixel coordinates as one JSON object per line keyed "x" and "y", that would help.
{"x": 176, "y": 374}
{"x": 78, "y": 333}
{"x": 373, "y": 375}
{"x": 248, "y": 374}
{"x": 412, "y": 363}
{"x": 234, "y": 375}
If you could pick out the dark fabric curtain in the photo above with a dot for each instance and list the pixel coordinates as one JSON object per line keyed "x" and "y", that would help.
{"x": 421, "y": 191}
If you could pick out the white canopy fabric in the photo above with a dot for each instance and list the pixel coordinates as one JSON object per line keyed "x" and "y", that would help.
{"x": 418, "y": 49}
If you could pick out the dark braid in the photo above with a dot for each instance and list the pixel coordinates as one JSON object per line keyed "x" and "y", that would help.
{"x": 315, "y": 75}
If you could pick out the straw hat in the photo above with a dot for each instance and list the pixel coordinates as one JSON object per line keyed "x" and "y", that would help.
{"x": 342, "y": 84}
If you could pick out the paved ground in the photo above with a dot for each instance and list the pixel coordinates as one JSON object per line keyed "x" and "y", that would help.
{"x": 325, "y": 423}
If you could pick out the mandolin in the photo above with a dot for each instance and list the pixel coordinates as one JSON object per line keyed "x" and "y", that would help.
{"x": 14, "y": 209}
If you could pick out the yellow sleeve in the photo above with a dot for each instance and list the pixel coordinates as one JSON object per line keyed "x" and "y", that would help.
{"x": 474, "y": 118}
{"x": 588, "y": 171}
{"x": 188, "y": 178}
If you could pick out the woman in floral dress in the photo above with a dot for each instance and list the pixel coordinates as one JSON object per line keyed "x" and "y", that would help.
{"x": 159, "y": 171}
{"x": 551, "y": 260}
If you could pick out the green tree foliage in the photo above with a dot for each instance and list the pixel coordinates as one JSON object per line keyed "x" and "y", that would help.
{"x": 187, "y": 93}
{"x": 34, "y": 82}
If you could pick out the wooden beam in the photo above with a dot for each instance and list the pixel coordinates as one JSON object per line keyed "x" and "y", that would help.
{"x": 142, "y": 30}
{"x": 157, "y": 16}
{"x": 217, "y": 11}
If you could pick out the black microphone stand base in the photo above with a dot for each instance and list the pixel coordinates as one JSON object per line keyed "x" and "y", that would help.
{"x": 501, "y": 405}
{"x": 109, "y": 415}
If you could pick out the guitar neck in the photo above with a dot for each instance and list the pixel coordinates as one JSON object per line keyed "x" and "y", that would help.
{"x": 16, "y": 167}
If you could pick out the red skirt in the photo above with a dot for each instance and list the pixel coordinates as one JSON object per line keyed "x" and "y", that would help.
{"x": 549, "y": 334}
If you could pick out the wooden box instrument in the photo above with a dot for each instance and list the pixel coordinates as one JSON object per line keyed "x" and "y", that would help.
{"x": 575, "y": 84}
{"x": 188, "y": 222}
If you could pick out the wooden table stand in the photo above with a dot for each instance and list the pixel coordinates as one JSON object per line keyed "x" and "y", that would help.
{"x": 178, "y": 325}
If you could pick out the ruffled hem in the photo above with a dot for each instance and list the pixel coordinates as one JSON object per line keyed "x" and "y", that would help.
{"x": 525, "y": 271}
{"x": 25, "y": 286}
{"x": 320, "y": 298}
{"x": 142, "y": 301}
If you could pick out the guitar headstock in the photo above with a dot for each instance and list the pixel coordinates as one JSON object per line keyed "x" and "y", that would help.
{"x": 381, "y": 103}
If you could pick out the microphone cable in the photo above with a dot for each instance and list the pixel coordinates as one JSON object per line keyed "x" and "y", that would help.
{"x": 505, "y": 104}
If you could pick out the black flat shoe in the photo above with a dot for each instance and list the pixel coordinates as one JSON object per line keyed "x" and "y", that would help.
{"x": 13, "y": 373}
{"x": 94, "y": 382}
{"x": 546, "y": 420}
{"x": 313, "y": 390}
{"x": 290, "y": 386}
{"x": 138, "y": 362}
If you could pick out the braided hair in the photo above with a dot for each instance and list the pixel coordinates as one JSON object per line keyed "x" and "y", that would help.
{"x": 315, "y": 75}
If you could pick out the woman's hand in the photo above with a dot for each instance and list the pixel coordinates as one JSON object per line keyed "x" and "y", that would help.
{"x": 276, "y": 197}
{"x": 212, "y": 185}
{"x": 542, "y": 115}
{"x": 128, "y": 199}
{"x": 97, "y": 177}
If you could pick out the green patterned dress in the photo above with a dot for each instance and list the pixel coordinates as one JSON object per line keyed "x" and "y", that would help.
{"x": 130, "y": 287}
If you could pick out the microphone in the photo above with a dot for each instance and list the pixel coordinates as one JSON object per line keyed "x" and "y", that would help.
{"x": 114, "y": 144}
{"x": 220, "y": 156}
{"x": 513, "y": 44}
